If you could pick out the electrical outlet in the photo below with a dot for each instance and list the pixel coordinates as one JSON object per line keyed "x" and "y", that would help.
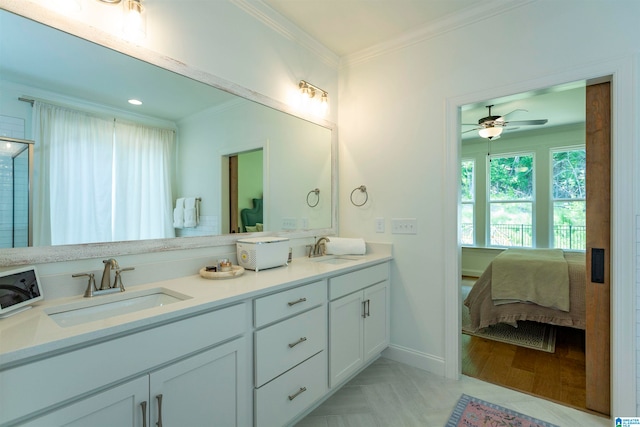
{"x": 289, "y": 223}
{"x": 379, "y": 225}
{"x": 404, "y": 226}
{"x": 305, "y": 223}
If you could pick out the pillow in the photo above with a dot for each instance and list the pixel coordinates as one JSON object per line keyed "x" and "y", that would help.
{"x": 259, "y": 227}
{"x": 251, "y": 228}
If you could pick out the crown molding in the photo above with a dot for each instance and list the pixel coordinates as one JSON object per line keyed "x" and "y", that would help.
{"x": 272, "y": 19}
{"x": 484, "y": 10}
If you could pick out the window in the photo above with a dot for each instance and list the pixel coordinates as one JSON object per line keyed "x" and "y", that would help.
{"x": 511, "y": 179}
{"x": 467, "y": 235}
{"x": 568, "y": 198}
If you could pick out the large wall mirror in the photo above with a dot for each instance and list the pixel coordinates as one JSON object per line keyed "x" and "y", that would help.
{"x": 232, "y": 150}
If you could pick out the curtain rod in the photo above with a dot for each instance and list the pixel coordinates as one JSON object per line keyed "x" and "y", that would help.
{"x": 30, "y": 101}
{"x": 92, "y": 113}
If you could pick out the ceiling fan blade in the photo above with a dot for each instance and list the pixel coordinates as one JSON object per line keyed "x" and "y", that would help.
{"x": 471, "y": 130}
{"x": 502, "y": 118}
{"x": 527, "y": 122}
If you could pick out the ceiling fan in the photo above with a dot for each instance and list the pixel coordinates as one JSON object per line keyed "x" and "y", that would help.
{"x": 491, "y": 126}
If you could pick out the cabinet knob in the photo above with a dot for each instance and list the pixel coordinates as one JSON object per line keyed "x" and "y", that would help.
{"x": 297, "y": 393}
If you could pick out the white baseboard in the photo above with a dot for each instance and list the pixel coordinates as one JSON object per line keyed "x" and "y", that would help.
{"x": 414, "y": 358}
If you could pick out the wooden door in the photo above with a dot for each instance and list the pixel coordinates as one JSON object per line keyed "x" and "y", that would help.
{"x": 598, "y": 184}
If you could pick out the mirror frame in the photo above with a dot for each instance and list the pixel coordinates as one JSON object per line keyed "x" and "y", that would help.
{"x": 48, "y": 254}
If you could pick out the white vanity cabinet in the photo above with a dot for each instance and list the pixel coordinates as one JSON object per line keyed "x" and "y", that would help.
{"x": 358, "y": 320}
{"x": 199, "y": 365}
{"x": 290, "y": 357}
{"x": 201, "y": 390}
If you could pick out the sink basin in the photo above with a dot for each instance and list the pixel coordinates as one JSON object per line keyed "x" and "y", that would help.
{"x": 335, "y": 259}
{"x": 104, "y": 307}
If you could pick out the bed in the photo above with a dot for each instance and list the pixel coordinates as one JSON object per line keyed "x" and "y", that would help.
{"x": 483, "y": 312}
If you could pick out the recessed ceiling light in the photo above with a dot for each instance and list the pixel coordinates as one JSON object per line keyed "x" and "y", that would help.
{"x": 135, "y": 102}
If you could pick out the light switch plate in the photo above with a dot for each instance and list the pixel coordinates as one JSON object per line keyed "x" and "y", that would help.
{"x": 404, "y": 226}
{"x": 289, "y": 223}
{"x": 379, "y": 225}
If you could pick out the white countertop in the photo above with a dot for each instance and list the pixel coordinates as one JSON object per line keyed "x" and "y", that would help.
{"x": 32, "y": 333}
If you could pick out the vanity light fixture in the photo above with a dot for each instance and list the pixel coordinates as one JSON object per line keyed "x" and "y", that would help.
{"x": 110, "y": 1}
{"x": 310, "y": 91}
{"x": 134, "y": 19}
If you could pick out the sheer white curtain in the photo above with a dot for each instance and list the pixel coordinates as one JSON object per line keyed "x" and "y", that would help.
{"x": 99, "y": 181}
{"x": 142, "y": 182}
{"x": 72, "y": 195}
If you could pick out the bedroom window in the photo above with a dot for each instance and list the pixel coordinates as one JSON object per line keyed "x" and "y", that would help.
{"x": 569, "y": 198}
{"x": 511, "y": 187}
{"x": 467, "y": 178}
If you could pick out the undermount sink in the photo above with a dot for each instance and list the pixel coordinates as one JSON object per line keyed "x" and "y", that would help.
{"x": 104, "y": 307}
{"x": 335, "y": 259}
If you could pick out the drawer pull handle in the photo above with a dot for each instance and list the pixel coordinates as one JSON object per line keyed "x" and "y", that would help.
{"x": 301, "y": 340}
{"x": 297, "y": 393}
{"x": 296, "y": 302}
{"x": 143, "y": 405}
{"x": 159, "y": 423}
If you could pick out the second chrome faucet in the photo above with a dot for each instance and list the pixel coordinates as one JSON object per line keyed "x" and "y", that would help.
{"x": 106, "y": 287}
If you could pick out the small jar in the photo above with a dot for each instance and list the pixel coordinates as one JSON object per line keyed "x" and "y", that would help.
{"x": 224, "y": 265}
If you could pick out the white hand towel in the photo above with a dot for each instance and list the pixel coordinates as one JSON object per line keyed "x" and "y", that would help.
{"x": 345, "y": 246}
{"x": 190, "y": 214}
{"x": 178, "y": 214}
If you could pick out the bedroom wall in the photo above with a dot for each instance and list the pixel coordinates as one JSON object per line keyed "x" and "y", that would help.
{"x": 397, "y": 100}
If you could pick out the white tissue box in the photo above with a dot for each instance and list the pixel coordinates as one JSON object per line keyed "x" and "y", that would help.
{"x": 260, "y": 253}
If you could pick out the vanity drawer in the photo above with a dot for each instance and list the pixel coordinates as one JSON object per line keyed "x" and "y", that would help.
{"x": 286, "y": 397}
{"x": 284, "y": 345}
{"x": 287, "y": 303}
{"x": 351, "y": 282}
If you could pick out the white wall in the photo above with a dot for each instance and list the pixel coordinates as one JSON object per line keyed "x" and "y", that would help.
{"x": 396, "y": 138}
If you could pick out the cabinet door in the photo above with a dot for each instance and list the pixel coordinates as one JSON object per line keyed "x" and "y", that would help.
{"x": 119, "y": 406}
{"x": 376, "y": 322}
{"x": 346, "y": 337}
{"x": 204, "y": 390}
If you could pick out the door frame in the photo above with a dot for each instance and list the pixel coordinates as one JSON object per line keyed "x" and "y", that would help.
{"x": 620, "y": 71}
{"x": 224, "y": 153}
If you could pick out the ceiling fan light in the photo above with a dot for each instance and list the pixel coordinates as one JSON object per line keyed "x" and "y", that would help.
{"x": 490, "y": 132}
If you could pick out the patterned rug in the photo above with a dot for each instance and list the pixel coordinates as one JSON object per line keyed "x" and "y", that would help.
{"x": 538, "y": 336}
{"x": 473, "y": 412}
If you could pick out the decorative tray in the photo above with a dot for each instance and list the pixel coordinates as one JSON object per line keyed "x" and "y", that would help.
{"x": 236, "y": 271}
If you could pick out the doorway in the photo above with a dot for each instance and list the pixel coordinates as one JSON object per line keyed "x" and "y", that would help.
{"x": 246, "y": 191}
{"x": 597, "y": 371}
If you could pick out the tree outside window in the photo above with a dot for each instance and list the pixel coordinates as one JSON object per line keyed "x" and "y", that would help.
{"x": 467, "y": 235}
{"x": 569, "y": 199}
{"x": 511, "y": 189}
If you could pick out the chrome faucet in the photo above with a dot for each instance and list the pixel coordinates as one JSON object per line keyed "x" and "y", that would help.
{"x": 109, "y": 264}
{"x": 105, "y": 284}
{"x": 318, "y": 249}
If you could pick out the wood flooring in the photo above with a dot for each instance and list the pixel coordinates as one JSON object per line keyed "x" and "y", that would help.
{"x": 559, "y": 376}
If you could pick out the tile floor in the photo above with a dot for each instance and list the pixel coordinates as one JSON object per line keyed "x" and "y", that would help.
{"x": 388, "y": 393}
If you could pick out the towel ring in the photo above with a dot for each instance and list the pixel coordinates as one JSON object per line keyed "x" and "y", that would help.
{"x": 363, "y": 189}
{"x": 317, "y": 191}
